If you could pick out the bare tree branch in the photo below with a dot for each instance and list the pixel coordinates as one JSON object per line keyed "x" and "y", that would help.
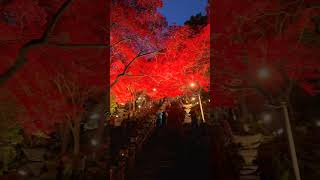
{"x": 139, "y": 55}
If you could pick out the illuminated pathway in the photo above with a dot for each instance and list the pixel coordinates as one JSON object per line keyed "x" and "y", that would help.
{"x": 170, "y": 155}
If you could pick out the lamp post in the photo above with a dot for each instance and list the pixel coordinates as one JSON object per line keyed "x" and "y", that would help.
{"x": 264, "y": 73}
{"x": 291, "y": 142}
{"x": 201, "y": 108}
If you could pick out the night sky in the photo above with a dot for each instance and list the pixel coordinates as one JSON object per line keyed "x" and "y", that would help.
{"x": 178, "y": 11}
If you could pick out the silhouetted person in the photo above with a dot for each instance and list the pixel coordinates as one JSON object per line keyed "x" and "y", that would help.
{"x": 175, "y": 116}
{"x": 164, "y": 118}
{"x": 159, "y": 119}
{"x": 194, "y": 120}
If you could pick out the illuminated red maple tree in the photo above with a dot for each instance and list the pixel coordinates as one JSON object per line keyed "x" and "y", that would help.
{"x": 164, "y": 70}
{"x": 48, "y": 64}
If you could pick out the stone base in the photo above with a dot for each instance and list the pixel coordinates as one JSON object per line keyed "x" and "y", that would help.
{"x": 187, "y": 119}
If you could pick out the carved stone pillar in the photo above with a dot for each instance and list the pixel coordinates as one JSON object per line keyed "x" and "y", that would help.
{"x": 187, "y": 109}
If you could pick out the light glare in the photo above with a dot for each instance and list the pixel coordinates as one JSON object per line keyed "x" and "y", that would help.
{"x": 94, "y": 142}
{"x": 263, "y": 73}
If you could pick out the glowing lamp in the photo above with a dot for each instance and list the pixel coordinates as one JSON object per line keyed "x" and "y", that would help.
{"x": 154, "y": 89}
{"x": 192, "y": 84}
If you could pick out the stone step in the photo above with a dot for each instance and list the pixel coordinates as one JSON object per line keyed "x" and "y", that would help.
{"x": 249, "y": 152}
{"x": 247, "y": 171}
{"x": 251, "y": 146}
{"x": 249, "y": 177}
{"x": 250, "y": 167}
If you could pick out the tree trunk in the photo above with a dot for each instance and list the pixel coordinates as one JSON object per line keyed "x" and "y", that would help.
{"x": 27, "y": 138}
{"x": 76, "y": 137}
{"x": 244, "y": 108}
{"x": 64, "y": 137}
{"x": 133, "y": 107}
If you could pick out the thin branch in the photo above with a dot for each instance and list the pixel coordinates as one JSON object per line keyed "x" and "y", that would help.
{"x": 139, "y": 55}
{"x": 55, "y": 19}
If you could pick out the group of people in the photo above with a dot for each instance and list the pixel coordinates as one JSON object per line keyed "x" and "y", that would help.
{"x": 162, "y": 116}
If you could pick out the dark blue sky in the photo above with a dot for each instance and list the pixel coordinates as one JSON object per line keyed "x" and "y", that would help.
{"x": 178, "y": 11}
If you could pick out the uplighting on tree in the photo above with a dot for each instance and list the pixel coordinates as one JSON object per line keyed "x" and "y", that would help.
{"x": 139, "y": 106}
